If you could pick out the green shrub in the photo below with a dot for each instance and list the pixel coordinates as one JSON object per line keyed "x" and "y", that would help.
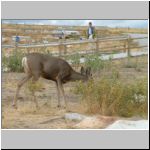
{"x": 75, "y": 59}
{"x": 13, "y": 62}
{"x": 95, "y": 62}
{"x": 115, "y": 74}
{"x": 112, "y": 97}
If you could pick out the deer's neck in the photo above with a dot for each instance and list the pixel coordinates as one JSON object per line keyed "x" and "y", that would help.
{"x": 77, "y": 76}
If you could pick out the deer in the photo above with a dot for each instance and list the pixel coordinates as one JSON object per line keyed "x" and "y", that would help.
{"x": 52, "y": 68}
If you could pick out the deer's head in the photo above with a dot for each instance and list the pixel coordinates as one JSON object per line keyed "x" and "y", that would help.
{"x": 86, "y": 72}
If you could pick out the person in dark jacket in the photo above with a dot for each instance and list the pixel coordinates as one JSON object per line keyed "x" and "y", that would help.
{"x": 91, "y": 31}
{"x": 17, "y": 40}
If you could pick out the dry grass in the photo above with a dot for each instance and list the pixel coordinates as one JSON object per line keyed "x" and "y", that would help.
{"x": 130, "y": 30}
{"x": 115, "y": 98}
{"x": 116, "y": 91}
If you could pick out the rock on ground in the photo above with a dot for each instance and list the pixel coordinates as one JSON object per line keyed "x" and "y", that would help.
{"x": 74, "y": 116}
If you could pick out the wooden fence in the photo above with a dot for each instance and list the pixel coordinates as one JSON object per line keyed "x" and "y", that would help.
{"x": 63, "y": 46}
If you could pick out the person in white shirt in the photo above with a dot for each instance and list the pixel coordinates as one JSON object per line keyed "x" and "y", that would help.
{"x": 91, "y": 31}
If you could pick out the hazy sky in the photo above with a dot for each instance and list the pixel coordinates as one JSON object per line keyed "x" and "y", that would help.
{"x": 109, "y": 23}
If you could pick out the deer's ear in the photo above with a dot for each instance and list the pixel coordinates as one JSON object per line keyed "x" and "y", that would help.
{"x": 82, "y": 70}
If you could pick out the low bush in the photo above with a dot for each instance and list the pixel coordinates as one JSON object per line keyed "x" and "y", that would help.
{"x": 110, "y": 96}
{"x": 95, "y": 62}
{"x": 13, "y": 62}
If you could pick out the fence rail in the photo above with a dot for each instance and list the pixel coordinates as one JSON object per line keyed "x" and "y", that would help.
{"x": 62, "y": 45}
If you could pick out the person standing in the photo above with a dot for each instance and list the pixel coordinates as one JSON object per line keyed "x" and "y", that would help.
{"x": 91, "y": 31}
{"x": 17, "y": 40}
{"x": 90, "y": 36}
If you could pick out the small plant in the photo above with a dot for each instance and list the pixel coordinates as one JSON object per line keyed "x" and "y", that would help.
{"x": 95, "y": 62}
{"x": 34, "y": 86}
{"x": 75, "y": 59}
{"x": 115, "y": 74}
{"x": 138, "y": 68}
{"x": 79, "y": 87}
{"x": 111, "y": 57}
{"x": 108, "y": 64}
{"x": 13, "y": 62}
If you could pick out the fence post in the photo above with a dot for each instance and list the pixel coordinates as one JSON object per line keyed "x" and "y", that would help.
{"x": 125, "y": 45}
{"x": 97, "y": 45}
{"x": 16, "y": 49}
{"x": 16, "y": 46}
{"x": 128, "y": 50}
{"x": 60, "y": 47}
{"x": 65, "y": 49}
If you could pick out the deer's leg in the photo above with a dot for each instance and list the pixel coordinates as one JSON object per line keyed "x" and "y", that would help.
{"x": 34, "y": 79}
{"x": 60, "y": 86}
{"x": 64, "y": 97}
{"x": 20, "y": 84}
{"x": 58, "y": 94}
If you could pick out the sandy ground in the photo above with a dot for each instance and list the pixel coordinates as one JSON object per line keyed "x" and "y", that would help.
{"x": 27, "y": 116}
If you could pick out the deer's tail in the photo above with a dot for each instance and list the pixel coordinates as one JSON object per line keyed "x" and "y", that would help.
{"x": 25, "y": 64}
